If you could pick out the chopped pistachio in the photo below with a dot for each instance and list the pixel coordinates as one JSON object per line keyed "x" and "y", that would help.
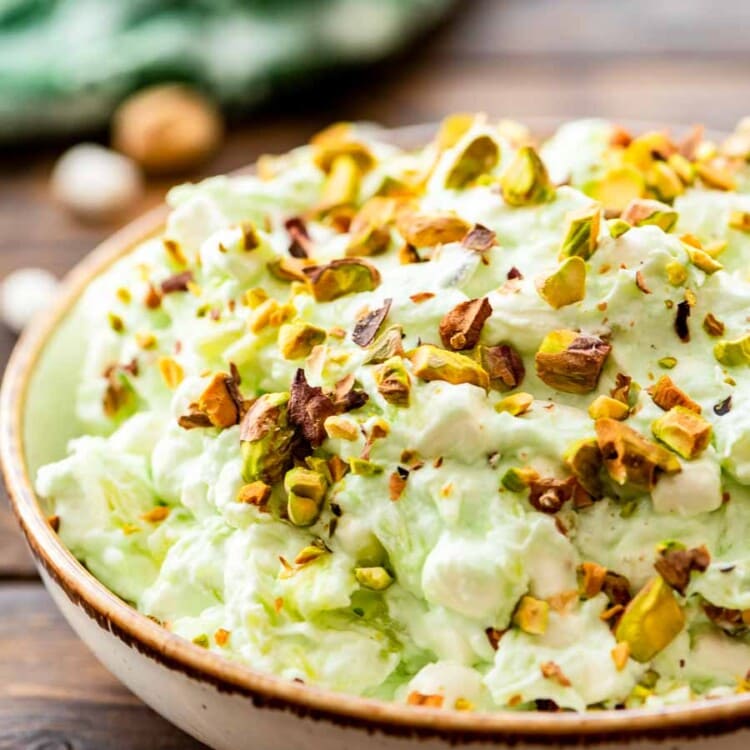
{"x": 733, "y": 353}
{"x": 201, "y": 640}
{"x": 503, "y": 364}
{"x": 605, "y": 406}
{"x": 584, "y": 459}
{"x": 369, "y": 240}
{"x": 526, "y": 181}
{"x": 254, "y": 493}
{"x": 477, "y": 158}
{"x": 145, "y": 339}
{"x": 592, "y": 578}
{"x": 220, "y": 401}
{"x": 532, "y": 615}
{"x": 620, "y": 655}
{"x": 630, "y": 458}
{"x": 581, "y": 232}
{"x": 287, "y": 269}
{"x": 618, "y": 187}
{"x": 330, "y": 147}
{"x": 171, "y": 372}
{"x": 715, "y": 176}
{"x": 667, "y": 363}
{"x": 115, "y": 322}
{"x": 739, "y": 220}
{"x": 430, "y": 229}
{"x": 297, "y": 340}
{"x": 712, "y": 325}
{"x": 642, "y": 152}
{"x": 566, "y": 285}
{"x": 302, "y": 511}
{"x": 461, "y": 327}
{"x": 266, "y": 439}
{"x": 363, "y": 467}
{"x": 664, "y": 181}
{"x": 684, "y": 431}
{"x": 310, "y": 554}
{"x": 342, "y": 183}
{"x": 255, "y": 297}
{"x": 682, "y": 167}
{"x": 571, "y": 362}
{"x": 387, "y": 345}
{"x": 376, "y": 578}
{"x": 431, "y": 363}
{"x": 701, "y": 259}
{"x": 270, "y": 314}
{"x": 306, "y": 489}
{"x": 676, "y": 273}
{"x": 340, "y": 277}
{"x": 618, "y": 227}
{"x": 666, "y": 395}
{"x": 516, "y": 404}
{"x": 393, "y": 381}
{"x": 518, "y": 479}
{"x": 339, "y": 427}
{"x": 453, "y": 128}
{"x": 644, "y": 212}
{"x": 651, "y": 621}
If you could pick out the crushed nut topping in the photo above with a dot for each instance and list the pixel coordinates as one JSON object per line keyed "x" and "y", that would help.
{"x": 571, "y": 362}
{"x": 676, "y": 565}
{"x": 367, "y": 327}
{"x": 666, "y": 395}
{"x": 461, "y": 327}
{"x": 480, "y": 239}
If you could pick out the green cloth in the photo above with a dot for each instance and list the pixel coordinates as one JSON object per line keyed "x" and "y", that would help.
{"x": 65, "y": 64}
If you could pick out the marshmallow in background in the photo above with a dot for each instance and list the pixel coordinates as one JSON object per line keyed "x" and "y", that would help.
{"x": 23, "y": 293}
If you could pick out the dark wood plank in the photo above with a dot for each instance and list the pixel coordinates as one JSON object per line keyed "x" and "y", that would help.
{"x": 54, "y": 694}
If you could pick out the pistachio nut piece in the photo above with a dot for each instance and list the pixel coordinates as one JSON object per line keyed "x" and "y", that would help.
{"x": 526, "y": 181}
{"x": 341, "y": 186}
{"x": 516, "y": 404}
{"x": 375, "y": 578}
{"x": 479, "y": 157}
{"x": 644, "y": 212}
{"x": 297, "y": 340}
{"x": 733, "y": 353}
{"x": 387, "y": 345}
{"x": 518, "y": 479}
{"x": 606, "y": 406}
{"x": 266, "y": 439}
{"x": 453, "y": 128}
{"x": 393, "y": 381}
{"x": 651, "y": 621}
{"x": 581, "y": 232}
{"x": 684, "y": 431}
{"x": 571, "y": 362}
{"x": 666, "y": 394}
{"x": 532, "y": 615}
{"x": 739, "y": 220}
{"x": 430, "y": 229}
{"x": 618, "y": 187}
{"x": 341, "y": 277}
{"x": 630, "y": 458}
{"x": 664, "y": 181}
{"x": 566, "y": 286}
{"x": 220, "y": 401}
{"x": 461, "y": 327}
{"x": 584, "y": 459}
{"x": 306, "y": 489}
{"x": 503, "y": 364}
{"x": 432, "y": 363}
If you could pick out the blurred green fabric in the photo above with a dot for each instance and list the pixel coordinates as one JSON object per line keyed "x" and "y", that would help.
{"x": 65, "y": 64}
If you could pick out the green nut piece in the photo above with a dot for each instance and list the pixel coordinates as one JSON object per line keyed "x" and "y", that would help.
{"x": 682, "y": 167}
{"x": 532, "y": 615}
{"x": 664, "y": 181}
{"x": 643, "y": 212}
{"x": 340, "y": 277}
{"x": 701, "y": 259}
{"x": 375, "y": 578}
{"x": 302, "y": 511}
{"x": 617, "y": 187}
{"x": 297, "y": 340}
{"x": 393, "y": 381}
{"x": 581, "y": 233}
{"x": 518, "y": 480}
{"x": 617, "y": 227}
{"x": 584, "y": 459}
{"x": 387, "y": 345}
{"x": 733, "y": 353}
{"x": 266, "y": 439}
{"x": 571, "y": 362}
{"x": 478, "y": 158}
{"x": 684, "y": 431}
{"x": 605, "y": 406}
{"x": 526, "y": 182}
{"x": 567, "y": 285}
{"x": 306, "y": 489}
{"x": 516, "y": 404}
{"x": 432, "y": 363}
{"x": 651, "y": 621}
{"x": 363, "y": 467}
{"x": 341, "y": 187}
{"x": 739, "y": 220}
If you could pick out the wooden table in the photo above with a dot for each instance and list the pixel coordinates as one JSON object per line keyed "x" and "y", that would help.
{"x": 682, "y": 62}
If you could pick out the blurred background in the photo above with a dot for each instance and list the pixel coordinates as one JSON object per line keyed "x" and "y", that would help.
{"x": 106, "y": 103}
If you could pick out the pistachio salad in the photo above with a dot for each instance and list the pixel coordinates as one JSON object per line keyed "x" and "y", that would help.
{"x": 463, "y": 426}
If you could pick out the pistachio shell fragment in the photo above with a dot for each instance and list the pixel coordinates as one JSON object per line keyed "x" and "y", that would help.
{"x": 341, "y": 277}
{"x": 666, "y": 395}
{"x": 526, "y": 181}
{"x": 684, "y": 431}
{"x": 375, "y": 578}
{"x": 532, "y": 615}
{"x": 461, "y": 327}
{"x": 266, "y": 439}
{"x": 581, "y": 232}
{"x": 428, "y": 230}
{"x": 431, "y": 363}
{"x": 567, "y": 285}
{"x": 393, "y": 381}
{"x": 515, "y": 404}
{"x": 571, "y": 362}
{"x": 733, "y": 353}
{"x": 297, "y": 340}
{"x": 651, "y": 621}
{"x": 644, "y": 212}
{"x": 606, "y": 406}
{"x": 478, "y": 157}
{"x": 631, "y": 459}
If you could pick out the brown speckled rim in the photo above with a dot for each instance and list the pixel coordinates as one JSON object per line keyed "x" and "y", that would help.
{"x": 706, "y": 717}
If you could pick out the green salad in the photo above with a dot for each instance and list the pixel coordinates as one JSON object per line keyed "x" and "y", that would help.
{"x": 463, "y": 426}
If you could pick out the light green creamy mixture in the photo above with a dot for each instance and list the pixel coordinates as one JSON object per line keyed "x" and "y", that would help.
{"x": 498, "y": 458}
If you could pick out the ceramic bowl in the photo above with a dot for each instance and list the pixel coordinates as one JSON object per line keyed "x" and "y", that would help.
{"x": 227, "y": 705}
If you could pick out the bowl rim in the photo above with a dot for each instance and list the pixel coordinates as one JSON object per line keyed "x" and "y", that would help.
{"x": 707, "y": 717}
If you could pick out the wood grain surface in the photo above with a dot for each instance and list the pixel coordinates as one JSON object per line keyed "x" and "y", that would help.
{"x": 672, "y": 61}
